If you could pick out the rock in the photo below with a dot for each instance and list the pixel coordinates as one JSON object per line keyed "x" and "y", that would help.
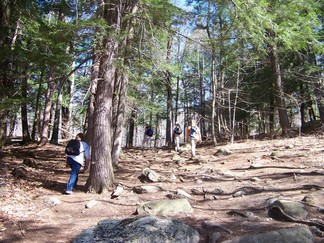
{"x": 165, "y": 207}
{"x": 176, "y": 157}
{"x": 30, "y": 163}
{"x": 286, "y": 209}
{"x": 139, "y": 229}
{"x": 91, "y": 203}
{"x": 52, "y": 201}
{"x": 146, "y": 189}
{"x": 20, "y": 171}
{"x": 151, "y": 175}
{"x": 118, "y": 190}
{"x": 183, "y": 193}
{"x": 222, "y": 151}
{"x": 299, "y": 234}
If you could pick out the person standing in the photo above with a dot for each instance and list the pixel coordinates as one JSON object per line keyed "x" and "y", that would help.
{"x": 176, "y": 136}
{"x": 193, "y": 136}
{"x": 148, "y": 133}
{"x": 76, "y": 161}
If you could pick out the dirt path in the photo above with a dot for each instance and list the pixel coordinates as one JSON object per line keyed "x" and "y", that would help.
{"x": 223, "y": 188}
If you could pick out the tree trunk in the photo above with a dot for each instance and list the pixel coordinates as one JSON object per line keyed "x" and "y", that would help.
{"x": 280, "y": 98}
{"x": 101, "y": 178}
{"x": 320, "y": 97}
{"x": 66, "y": 111}
{"x": 214, "y": 87}
{"x": 5, "y": 82}
{"x": 168, "y": 137}
{"x": 57, "y": 119}
{"x": 47, "y": 110}
{"x": 119, "y": 111}
{"x": 36, "y": 122}
{"x": 130, "y": 137}
{"x": 91, "y": 108}
{"x": 24, "y": 115}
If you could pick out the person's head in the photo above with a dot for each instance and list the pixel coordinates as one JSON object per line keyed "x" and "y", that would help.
{"x": 80, "y": 136}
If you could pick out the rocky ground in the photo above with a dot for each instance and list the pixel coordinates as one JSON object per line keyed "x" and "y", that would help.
{"x": 227, "y": 185}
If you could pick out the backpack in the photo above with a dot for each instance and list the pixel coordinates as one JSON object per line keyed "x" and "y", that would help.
{"x": 149, "y": 132}
{"x": 73, "y": 147}
{"x": 177, "y": 130}
{"x": 193, "y": 132}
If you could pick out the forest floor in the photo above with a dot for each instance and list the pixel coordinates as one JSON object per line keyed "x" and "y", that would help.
{"x": 261, "y": 169}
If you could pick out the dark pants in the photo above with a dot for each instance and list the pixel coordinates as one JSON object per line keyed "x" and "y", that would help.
{"x": 75, "y": 169}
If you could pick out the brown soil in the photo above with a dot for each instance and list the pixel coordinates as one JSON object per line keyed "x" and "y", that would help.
{"x": 291, "y": 168}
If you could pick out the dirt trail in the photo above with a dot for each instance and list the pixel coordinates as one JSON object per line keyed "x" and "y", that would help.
{"x": 224, "y": 188}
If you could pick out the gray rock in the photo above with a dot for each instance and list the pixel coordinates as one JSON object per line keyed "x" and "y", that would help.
{"x": 52, "y": 201}
{"x": 139, "y": 229}
{"x": 165, "y": 207}
{"x": 299, "y": 234}
{"x": 91, "y": 203}
{"x": 146, "y": 189}
{"x": 151, "y": 175}
{"x": 286, "y": 209}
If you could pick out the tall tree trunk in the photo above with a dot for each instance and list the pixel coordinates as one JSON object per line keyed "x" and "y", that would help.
{"x": 130, "y": 135}
{"x": 57, "y": 119}
{"x": 202, "y": 93}
{"x": 168, "y": 138}
{"x": 5, "y": 81}
{"x": 101, "y": 177}
{"x": 24, "y": 113}
{"x": 66, "y": 111}
{"x": 177, "y": 100}
{"x": 214, "y": 88}
{"x": 91, "y": 107}
{"x": 36, "y": 122}
{"x": 319, "y": 93}
{"x": 280, "y": 98}
{"x": 119, "y": 111}
{"x": 47, "y": 110}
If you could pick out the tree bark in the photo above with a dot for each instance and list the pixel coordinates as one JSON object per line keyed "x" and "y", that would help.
{"x": 93, "y": 90}
{"x": 24, "y": 117}
{"x": 119, "y": 111}
{"x": 47, "y": 110}
{"x": 280, "y": 98}
{"x": 36, "y": 122}
{"x": 101, "y": 177}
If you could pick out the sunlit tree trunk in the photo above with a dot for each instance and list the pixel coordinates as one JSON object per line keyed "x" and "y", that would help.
{"x": 101, "y": 177}
{"x": 280, "y": 98}
{"x": 47, "y": 110}
{"x": 36, "y": 122}
{"x": 24, "y": 114}
{"x": 91, "y": 107}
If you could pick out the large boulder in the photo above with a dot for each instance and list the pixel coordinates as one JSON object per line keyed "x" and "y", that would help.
{"x": 139, "y": 229}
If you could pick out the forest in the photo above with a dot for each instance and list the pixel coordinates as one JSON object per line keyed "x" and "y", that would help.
{"x": 107, "y": 68}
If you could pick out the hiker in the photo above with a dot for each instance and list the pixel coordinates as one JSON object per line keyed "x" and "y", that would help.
{"x": 148, "y": 133}
{"x": 176, "y": 136}
{"x": 193, "y": 136}
{"x": 76, "y": 161}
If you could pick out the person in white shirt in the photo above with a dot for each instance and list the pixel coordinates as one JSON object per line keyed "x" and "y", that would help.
{"x": 75, "y": 162}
